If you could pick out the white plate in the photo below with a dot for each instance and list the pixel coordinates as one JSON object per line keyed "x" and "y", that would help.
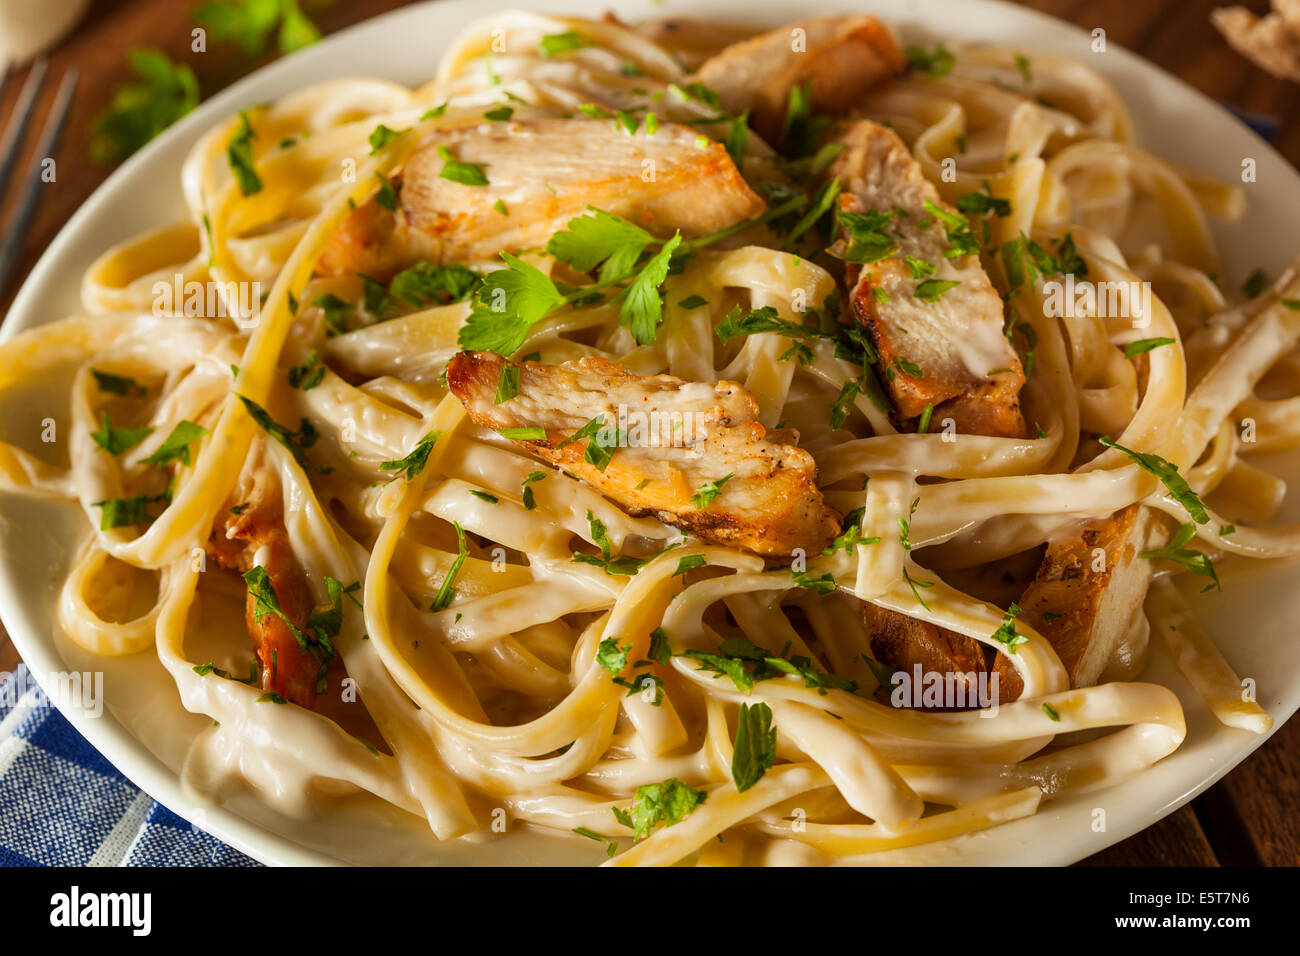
{"x": 1249, "y": 618}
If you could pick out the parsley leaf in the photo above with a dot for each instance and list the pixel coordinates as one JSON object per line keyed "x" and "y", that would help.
{"x": 532, "y": 477}
{"x": 843, "y": 405}
{"x": 424, "y": 284}
{"x": 851, "y": 536}
{"x": 661, "y": 651}
{"x": 709, "y": 492}
{"x": 507, "y": 305}
{"x": 1006, "y": 632}
{"x": 125, "y": 512}
{"x": 982, "y": 203}
{"x": 415, "y": 460}
{"x": 690, "y": 563}
{"x": 447, "y": 590}
{"x": 1145, "y": 345}
{"x": 868, "y": 241}
{"x": 931, "y": 289}
{"x": 554, "y": 44}
{"x": 337, "y": 312}
{"x": 165, "y": 91}
{"x": 295, "y": 442}
{"x": 1168, "y": 474}
{"x": 239, "y": 153}
{"x": 251, "y": 22}
{"x": 117, "y": 440}
{"x": 508, "y": 384}
{"x": 309, "y": 373}
{"x": 117, "y": 384}
{"x": 1195, "y": 561}
{"x": 642, "y": 309}
{"x": 467, "y": 174}
{"x": 611, "y": 656}
{"x": 387, "y": 195}
{"x": 176, "y": 446}
{"x": 381, "y": 136}
{"x": 932, "y": 63}
{"x": 668, "y": 802}
{"x": 589, "y": 240}
{"x": 755, "y": 746}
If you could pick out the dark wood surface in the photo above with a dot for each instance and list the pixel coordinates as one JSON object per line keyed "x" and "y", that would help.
{"x": 1247, "y": 819}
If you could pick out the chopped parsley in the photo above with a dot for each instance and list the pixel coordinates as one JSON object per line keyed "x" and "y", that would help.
{"x": 507, "y": 384}
{"x": 930, "y": 63}
{"x": 117, "y": 384}
{"x": 381, "y": 136}
{"x": 309, "y": 373}
{"x": 754, "y": 750}
{"x": 176, "y": 446}
{"x": 239, "y": 153}
{"x": 415, "y": 460}
{"x": 1168, "y": 474}
{"x": 467, "y": 174}
{"x": 555, "y": 44}
{"x": 117, "y": 440}
{"x": 126, "y": 512}
{"x": 709, "y": 492}
{"x": 531, "y": 478}
{"x": 424, "y": 284}
{"x": 1145, "y": 345}
{"x": 1006, "y": 633}
{"x": 447, "y": 590}
{"x": 664, "y": 803}
{"x": 932, "y": 289}
{"x": 1178, "y": 552}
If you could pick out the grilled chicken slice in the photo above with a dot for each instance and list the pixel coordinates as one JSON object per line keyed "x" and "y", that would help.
{"x": 680, "y": 438}
{"x": 843, "y": 58}
{"x": 1085, "y": 612}
{"x": 541, "y": 173}
{"x": 257, "y": 536}
{"x": 903, "y": 642}
{"x": 945, "y": 349}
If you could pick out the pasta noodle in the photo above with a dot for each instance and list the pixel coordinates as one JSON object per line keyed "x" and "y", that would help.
{"x": 494, "y": 696}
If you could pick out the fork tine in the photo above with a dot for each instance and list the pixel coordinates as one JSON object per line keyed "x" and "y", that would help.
{"x": 13, "y": 134}
{"x": 28, "y": 199}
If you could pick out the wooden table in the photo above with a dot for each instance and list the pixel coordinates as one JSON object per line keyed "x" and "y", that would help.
{"x": 1248, "y": 818}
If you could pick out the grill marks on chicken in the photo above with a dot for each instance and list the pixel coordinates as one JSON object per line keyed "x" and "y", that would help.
{"x": 943, "y": 348}
{"x": 541, "y": 173}
{"x": 842, "y": 58}
{"x": 680, "y": 443}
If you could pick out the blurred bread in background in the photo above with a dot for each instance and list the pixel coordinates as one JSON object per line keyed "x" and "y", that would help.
{"x": 1271, "y": 42}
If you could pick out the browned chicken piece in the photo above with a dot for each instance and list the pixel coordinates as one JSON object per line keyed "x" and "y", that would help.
{"x": 903, "y": 642}
{"x": 944, "y": 347}
{"x": 690, "y": 41}
{"x": 843, "y": 58}
{"x": 1085, "y": 612}
{"x": 540, "y": 174}
{"x": 681, "y": 442}
{"x": 257, "y": 536}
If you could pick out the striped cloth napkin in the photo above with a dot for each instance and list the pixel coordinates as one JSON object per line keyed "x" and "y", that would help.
{"x": 63, "y": 804}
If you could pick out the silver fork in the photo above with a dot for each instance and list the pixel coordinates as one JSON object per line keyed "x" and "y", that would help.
{"x": 15, "y": 230}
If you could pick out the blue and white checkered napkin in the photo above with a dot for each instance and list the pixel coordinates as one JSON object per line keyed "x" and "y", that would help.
{"x": 63, "y": 804}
